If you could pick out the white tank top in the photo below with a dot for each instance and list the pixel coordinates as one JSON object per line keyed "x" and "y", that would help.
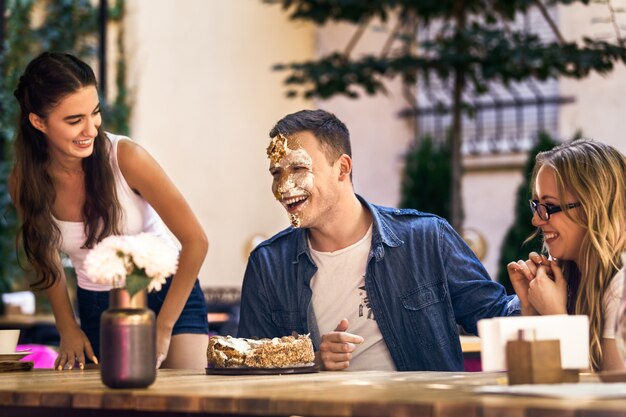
{"x": 137, "y": 217}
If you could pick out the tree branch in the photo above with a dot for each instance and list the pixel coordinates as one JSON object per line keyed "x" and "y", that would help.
{"x": 356, "y": 37}
{"x": 392, "y": 37}
{"x": 548, "y": 18}
{"x": 618, "y": 33}
{"x": 409, "y": 90}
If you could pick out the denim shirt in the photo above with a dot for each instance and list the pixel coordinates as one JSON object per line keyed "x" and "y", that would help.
{"x": 421, "y": 279}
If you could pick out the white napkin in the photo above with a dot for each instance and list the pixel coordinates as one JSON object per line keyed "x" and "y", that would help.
{"x": 571, "y": 331}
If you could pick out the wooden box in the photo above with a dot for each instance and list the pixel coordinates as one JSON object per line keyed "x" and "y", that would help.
{"x": 536, "y": 362}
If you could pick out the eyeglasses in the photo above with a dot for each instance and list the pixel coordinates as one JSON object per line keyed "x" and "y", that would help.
{"x": 544, "y": 211}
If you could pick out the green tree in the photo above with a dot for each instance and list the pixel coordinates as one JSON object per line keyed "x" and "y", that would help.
{"x": 426, "y": 177}
{"x": 476, "y": 43}
{"x": 513, "y": 246}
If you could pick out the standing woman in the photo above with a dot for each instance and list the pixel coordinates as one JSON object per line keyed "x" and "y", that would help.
{"x": 579, "y": 206}
{"x": 73, "y": 185}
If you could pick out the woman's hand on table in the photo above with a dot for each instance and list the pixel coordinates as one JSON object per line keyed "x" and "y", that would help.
{"x": 74, "y": 347}
{"x": 336, "y": 347}
{"x": 163, "y": 339}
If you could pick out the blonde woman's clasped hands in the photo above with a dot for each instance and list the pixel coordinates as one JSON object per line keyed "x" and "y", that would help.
{"x": 539, "y": 284}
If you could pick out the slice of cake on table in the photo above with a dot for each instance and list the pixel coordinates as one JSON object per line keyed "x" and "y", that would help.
{"x": 279, "y": 352}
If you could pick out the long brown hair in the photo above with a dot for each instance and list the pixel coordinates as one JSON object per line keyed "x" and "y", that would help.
{"x": 595, "y": 174}
{"x": 47, "y": 80}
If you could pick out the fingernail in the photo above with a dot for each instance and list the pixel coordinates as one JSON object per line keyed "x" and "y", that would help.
{"x": 81, "y": 366}
{"x": 59, "y": 368}
{"x": 69, "y": 367}
{"x": 94, "y": 359}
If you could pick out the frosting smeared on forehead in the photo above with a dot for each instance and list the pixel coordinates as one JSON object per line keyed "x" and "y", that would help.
{"x": 277, "y": 148}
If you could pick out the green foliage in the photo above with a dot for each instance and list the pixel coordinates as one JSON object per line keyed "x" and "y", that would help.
{"x": 137, "y": 281}
{"x": 67, "y": 26}
{"x": 426, "y": 178}
{"x": 70, "y": 26}
{"x": 472, "y": 41}
{"x": 513, "y": 246}
{"x": 9, "y": 266}
{"x": 117, "y": 114}
{"x": 483, "y": 54}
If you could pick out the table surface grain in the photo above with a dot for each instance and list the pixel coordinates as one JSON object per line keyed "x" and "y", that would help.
{"x": 373, "y": 393}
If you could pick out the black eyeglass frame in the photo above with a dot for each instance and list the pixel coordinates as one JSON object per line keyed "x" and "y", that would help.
{"x": 535, "y": 207}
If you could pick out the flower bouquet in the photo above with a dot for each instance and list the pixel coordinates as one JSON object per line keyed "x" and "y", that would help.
{"x": 135, "y": 262}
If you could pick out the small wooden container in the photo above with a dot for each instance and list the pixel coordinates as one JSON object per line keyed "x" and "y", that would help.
{"x": 531, "y": 361}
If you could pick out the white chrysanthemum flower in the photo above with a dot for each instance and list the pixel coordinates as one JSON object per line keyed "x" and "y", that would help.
{"x": 154, "y": 256}
{"x": 117, "y": 256}
{"x": 156, "y": 283}
{"x": 106, "y": 264}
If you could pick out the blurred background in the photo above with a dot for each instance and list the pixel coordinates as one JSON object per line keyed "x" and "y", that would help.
{"x": 446, "y": 107}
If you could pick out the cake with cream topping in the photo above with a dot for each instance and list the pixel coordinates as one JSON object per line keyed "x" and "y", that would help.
{"x": 279, "y": 352}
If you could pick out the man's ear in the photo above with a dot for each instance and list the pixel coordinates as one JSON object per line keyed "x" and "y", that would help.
{"x": 37, "y": 122}
{"x": 345, "y": 167}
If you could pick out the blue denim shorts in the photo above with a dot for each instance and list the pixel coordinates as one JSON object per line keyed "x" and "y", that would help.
{"x": 91, "y": 304}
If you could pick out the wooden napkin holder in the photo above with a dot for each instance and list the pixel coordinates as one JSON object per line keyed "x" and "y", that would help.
{"x": 531, "y": 361}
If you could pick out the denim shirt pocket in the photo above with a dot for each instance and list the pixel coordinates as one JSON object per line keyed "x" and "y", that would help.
{"x": 287, "y": 321}
{"x": 426, "y": 313}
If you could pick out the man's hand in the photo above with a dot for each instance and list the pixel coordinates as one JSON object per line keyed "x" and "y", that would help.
{"x": 336, "y": 347}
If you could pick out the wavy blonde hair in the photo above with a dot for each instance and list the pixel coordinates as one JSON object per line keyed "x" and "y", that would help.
{"x": 595, "y": 174}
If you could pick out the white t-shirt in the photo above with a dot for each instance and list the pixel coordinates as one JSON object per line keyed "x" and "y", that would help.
{"x": 611, "y": 303}
{"x": 338, "y": 289}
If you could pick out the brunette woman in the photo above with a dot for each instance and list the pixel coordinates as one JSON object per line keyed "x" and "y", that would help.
{"x": 73, "y": 185}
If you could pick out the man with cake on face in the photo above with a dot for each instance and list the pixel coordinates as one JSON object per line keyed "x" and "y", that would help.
{"x": 375, "y": 287}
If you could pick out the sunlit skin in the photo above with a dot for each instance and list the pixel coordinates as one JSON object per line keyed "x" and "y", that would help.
{"x": 561, "y": 234}
{"x": 71, "y": 127}
{"x": 301, "y": 181}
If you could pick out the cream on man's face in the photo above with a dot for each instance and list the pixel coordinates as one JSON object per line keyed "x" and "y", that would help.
{"x": 292, "y": 171}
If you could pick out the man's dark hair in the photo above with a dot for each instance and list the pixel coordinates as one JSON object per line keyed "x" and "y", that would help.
{"x": 327, "y": 128}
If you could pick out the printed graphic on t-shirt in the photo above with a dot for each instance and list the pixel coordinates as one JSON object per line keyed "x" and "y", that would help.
{"x": 365, "y": 304}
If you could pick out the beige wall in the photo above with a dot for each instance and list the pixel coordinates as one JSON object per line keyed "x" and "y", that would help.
{"x": 490, "y": 186}
{"x": 600, "y": 107}
{"x": 204, "y": 100}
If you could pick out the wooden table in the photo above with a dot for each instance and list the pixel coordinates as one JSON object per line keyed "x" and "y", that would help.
{"x": 192, "y": 393}
{"x": 470, "y": 344}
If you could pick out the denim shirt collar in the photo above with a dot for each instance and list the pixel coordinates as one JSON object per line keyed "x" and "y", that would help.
{"x": 381, "y": 233}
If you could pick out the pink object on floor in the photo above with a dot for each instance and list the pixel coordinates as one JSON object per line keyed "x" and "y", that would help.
{"x": 42, "y": 356}
{"x": 473, "y": 365}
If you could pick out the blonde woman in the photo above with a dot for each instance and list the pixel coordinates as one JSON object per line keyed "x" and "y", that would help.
{"x": 579, "y": 207}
